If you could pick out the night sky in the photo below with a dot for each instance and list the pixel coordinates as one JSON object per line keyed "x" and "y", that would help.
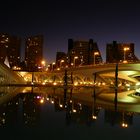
{"x": 59, "y": 20}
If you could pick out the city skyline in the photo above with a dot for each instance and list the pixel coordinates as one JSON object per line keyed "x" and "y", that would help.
{"x": 104, "y": 21}
{"x": 103, "y": 54}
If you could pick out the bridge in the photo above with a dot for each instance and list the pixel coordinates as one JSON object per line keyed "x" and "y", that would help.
{"x": 128, "y": 74}
{"x": 88, "y": 75}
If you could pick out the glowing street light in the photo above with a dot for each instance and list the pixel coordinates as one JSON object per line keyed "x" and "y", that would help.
{"x": 125, "y": 49}
{"x": 61, "y": 62}
{"x": 94, "y": 117}
{"x": 53, "y": 65}
{"x": 95, "y": 54}
{"x": 81, "y": 60}
{"x": 43, "y": 63}
{"x": 48, "y": 67}
{"x": 124, "y": 124}
{"x": 76, "y": 57}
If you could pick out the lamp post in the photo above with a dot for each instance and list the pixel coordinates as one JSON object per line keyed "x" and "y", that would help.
{"x": 124, "y": 56}
{"x": 124, "y": 123}
{"x": 48, "y": 67}
{"x": 53, "y": 66}
{"x": 43, "y": 64}
{"x": 81, "y": 60}
{"x": 61, "y": 63}
{"x": 76, "y": 57}
{"x": 95, "y": 54}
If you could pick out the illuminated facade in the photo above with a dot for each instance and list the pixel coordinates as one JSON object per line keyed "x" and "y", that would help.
{"x": 34, "y": 52}
{"x": 120, "y": 52}
{"x": 82, "y": 52}
{"x": 10, "y": 48}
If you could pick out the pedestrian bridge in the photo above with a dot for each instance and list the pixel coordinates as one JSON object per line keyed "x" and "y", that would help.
{"x": 88, "y": 75}
{"x": 7, "y": 76}
{"x": 82, "y": 75}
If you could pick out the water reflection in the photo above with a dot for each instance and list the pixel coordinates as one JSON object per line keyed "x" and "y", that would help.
{"x": 80, "y": 106}
{"x": 6, "y": 93}
{"x": 22, "y": 110}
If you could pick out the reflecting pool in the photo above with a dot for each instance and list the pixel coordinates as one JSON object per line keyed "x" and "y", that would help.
{"x": 73, "y": 113}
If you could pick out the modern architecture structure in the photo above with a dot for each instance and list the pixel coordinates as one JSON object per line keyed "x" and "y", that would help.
{"x": 120, "y": 52}
{"x": 8, "y": 76}
{"x": 34, "y": 52}
{"x": 10, "y": 49}
{"x": 83, "y": 52}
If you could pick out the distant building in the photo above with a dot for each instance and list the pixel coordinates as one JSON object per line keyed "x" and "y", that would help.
{"x": 83, "y": 52}
{"x": 120, "y": 52}
{"x": 10, "y": 48}
{"x": 34, "y": 52}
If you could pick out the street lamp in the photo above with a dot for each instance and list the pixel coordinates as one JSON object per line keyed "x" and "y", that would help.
{"x": 43, "y": 64}
{"x": 53, "y": 66}
{"x": 124, "y": 123}
{"x": 48, "y": 67}
{"x": 81, "y": 60}
{"x": 95, "y": 54}
{"x": 124, "y": 56}
{"x": 61, "y": 62}
{"x": 76, "y": 57}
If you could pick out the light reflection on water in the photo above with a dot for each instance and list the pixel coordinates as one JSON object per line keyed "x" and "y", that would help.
{"x": 65, "y": 113}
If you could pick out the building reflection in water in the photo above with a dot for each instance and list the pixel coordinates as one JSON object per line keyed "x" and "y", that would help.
{"x": 22, "y": 110}
{"x": 123, "y": 119}
{"x": 25, "y": 109}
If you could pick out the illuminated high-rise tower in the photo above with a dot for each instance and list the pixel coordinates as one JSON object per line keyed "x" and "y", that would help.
{"x": 120, "y": 52}
{"x": 34, "y": 52}
{"x": 82, "y": 52}
{"x": 10, "y": 49}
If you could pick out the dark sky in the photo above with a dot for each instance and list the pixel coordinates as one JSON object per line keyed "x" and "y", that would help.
{"x": 58, "y": 20}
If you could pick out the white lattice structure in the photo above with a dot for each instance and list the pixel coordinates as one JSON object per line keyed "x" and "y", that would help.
{"x": 7, "y": 76}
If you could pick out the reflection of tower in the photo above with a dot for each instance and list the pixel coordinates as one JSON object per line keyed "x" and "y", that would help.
{"x": 20, "y": 110}
{"x": 94, "y": 115}
{"x": 69, "y": 108}
{"x": 123, "y": 118}
{"x": 95, "y": 109}
{"x": 65, "y": 98}
{"x": 112, "y": 117}
{"x": 31, "y": 110}
{"x": 78, "y": 113}
{"x": 2, "y": 116}
{"x": 127, "y": 119}
{"x": 124, "y": 123}
{"x": 116, "y": 87}
{"x": 9, "y": 113}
